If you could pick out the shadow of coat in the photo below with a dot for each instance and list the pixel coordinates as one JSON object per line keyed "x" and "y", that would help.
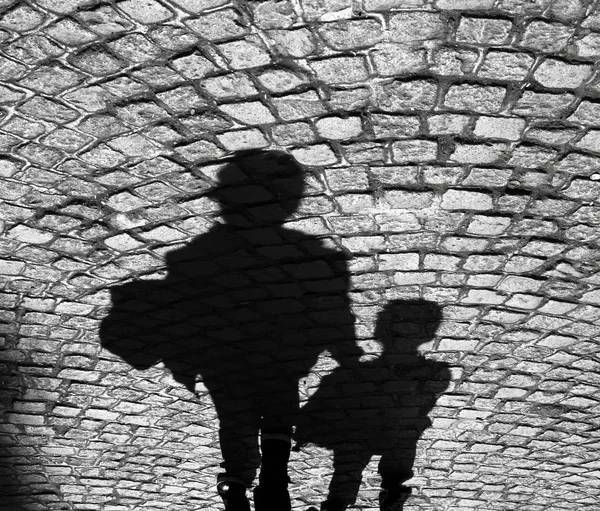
{"x": 378, "y": 407}
{"x": 248, "y": 306}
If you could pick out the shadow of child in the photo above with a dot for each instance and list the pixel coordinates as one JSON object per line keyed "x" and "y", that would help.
{"x": 378, "y": 407}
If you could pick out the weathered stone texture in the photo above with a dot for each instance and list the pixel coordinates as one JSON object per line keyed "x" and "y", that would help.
{"x": 453, "y": 152}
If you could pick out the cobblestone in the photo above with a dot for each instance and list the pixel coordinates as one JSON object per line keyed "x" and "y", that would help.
{"x": 245, "y": 54}
{"x": 498, "y": 127}
{"x": 343, "y": 35}
{"x": 340, "y": 70}
{"x": 475, "y": 98}
{"x": 299, "y": 106}
{"x": 293, "y": 133}
{"x": 337, "y": 128}
{"x": 411, "y": 26}
{"x": 546, "y": 37}
{"x": 542, "y": 104}
{"x": 446, "y": 124}
{"x": 553, "y": 73}
{"x": 297, "y": 43}
{"x": 458, "y": 199}
{"x": 450, "y": 61}
{"x": 501, "y": 65}
{"x": 398, "y": 96}
{"x": 397, "y": 60}
{"x": 145, "y": 12}
{"x": 243, "y": 140}
{"x": 451, "y": 153}
{"x": 483, "y": 30}
{"x": 252, "y": 113}
{"x": 281, "y": 80}
{"x": 414, "y": 151}
{"x": 318, "y": 154}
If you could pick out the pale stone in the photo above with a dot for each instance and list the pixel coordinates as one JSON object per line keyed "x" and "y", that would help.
{"x": 499, "y": 127}
{"x": 557, "y": 74}
{"x": 319, "y": 154}
{"x": 241, "y": 140}
{"x": 338, "y": 128}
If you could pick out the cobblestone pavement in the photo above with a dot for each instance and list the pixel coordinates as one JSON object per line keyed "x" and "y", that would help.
{"x": 454, "y": 147}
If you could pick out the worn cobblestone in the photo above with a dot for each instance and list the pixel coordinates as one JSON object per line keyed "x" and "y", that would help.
{"x": 453, "y": 153}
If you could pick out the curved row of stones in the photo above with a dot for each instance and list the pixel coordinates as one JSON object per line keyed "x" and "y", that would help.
{"x": 454, "y": 151}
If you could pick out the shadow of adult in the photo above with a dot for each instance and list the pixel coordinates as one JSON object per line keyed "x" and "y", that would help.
{"x": 378, "y": 407}
{"x": 249, "y": 306}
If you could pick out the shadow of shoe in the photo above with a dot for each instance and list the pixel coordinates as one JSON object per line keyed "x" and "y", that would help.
{"x": 233, "y": 495}
{"x": 394, "y": 500}
{"x": 271, "y": 498}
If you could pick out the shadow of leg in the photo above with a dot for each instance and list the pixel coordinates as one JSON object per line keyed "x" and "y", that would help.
{"x": 395, "y": 468}
{"x": 348, "y": 466}
{"x": 238, "y": 436}
{"x": 272, "y": 492}
{"x": 394, "y": 498}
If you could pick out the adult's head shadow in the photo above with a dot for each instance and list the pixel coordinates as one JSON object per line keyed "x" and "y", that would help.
{"x": 379, "y": 407}
{"x": 257, "y": 189}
